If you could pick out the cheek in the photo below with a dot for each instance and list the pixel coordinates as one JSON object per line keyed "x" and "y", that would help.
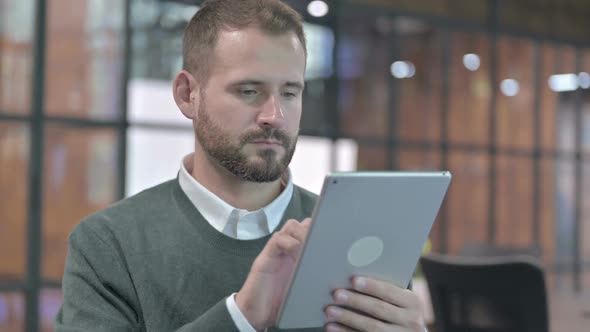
{"x": 294, "y": 121}
{"x": 230, "y": 115}
{"x": 293, "y": 114}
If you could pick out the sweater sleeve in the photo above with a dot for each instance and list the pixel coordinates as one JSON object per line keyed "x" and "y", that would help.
{"x": 98, "y": 293}
{"x": 217, "y": 318}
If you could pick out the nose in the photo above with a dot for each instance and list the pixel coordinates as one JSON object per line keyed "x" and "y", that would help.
{"x": 271, "y": 113}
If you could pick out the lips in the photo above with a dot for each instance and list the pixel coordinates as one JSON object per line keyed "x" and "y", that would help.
{"x": 267, "y": 142}
{"x": 267, "y": 136}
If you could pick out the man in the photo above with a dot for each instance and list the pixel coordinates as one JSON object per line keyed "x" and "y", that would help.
{"x": 213, "y": 250}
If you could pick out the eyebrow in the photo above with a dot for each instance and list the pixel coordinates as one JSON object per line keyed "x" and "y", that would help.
{"x": 297, "y": 85}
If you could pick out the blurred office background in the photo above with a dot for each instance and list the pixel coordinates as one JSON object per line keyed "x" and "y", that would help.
{"x": 498, "y": 92}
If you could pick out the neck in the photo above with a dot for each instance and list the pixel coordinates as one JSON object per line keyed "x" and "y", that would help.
{"x": 233, "y": 190}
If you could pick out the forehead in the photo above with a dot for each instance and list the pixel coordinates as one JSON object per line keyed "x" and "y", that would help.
{"x": 251, "y": 53}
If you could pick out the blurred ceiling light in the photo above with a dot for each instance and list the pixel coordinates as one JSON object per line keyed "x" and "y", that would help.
{"x": 471, "y": 61}
{"x": 510, "y": 87}
{"x": 584, "y": 80}
{"x": 403, "y": 69}
{"x": 318, "y": 8}
{"x": 563, "y": 82}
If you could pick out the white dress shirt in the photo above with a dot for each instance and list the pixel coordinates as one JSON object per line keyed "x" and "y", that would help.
{"x": 233, "y": 222}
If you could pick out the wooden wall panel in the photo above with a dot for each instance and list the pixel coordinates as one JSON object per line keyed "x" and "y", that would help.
{"x": 14, "y": 157}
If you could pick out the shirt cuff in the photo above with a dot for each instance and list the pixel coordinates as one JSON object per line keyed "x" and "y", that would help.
{"x": 234, "y": 311}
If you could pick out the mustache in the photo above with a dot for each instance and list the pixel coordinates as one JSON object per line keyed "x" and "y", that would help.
{"x": 267, "y": 134}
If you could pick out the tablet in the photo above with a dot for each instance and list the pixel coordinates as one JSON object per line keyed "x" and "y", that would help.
{"x": 365, "y": 223}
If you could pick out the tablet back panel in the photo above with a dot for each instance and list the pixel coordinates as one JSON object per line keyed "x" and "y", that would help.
{"x": 372, "y": 224}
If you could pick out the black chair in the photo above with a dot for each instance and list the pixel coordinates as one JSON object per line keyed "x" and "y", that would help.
{"x": 486, "y": 294}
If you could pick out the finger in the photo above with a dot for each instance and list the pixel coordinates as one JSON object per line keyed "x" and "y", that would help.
{"x": 354, "y": 320}
{"x": 371, "y": 306}
{"x": 295, "y": 229}
{"x": 306, "y": 222}
{"x": 281, "y": 244}
{"x": 401, "y": 297}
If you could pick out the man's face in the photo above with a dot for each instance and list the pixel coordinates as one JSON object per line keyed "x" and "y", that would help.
{"x": 249, "y": 112}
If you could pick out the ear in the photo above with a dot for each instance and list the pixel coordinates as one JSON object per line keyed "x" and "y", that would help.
{"x": 186, "y": 94}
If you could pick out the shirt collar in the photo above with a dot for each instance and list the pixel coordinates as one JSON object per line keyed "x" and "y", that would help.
{"x": 218, "y": 213}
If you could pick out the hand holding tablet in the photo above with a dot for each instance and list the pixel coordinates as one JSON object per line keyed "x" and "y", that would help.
{"x": 364, "y": 224}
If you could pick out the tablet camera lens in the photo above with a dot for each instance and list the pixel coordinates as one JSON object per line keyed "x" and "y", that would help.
{"x": 334, "y": 181}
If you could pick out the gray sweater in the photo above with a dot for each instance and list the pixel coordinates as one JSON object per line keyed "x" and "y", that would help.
{"x": 153, "y": 263}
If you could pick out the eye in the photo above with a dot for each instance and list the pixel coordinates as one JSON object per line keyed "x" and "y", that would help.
{"x": 249, "y": 93}
{"x": 289, "y": 94}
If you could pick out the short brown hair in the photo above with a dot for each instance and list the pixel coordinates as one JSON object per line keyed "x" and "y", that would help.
{"x": 201, "y": 34}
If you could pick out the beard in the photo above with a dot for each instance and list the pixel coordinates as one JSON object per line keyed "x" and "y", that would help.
{"x": 265, "y": 166}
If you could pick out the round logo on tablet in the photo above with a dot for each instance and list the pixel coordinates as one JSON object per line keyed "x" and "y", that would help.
{"x": 365, "y": 251}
